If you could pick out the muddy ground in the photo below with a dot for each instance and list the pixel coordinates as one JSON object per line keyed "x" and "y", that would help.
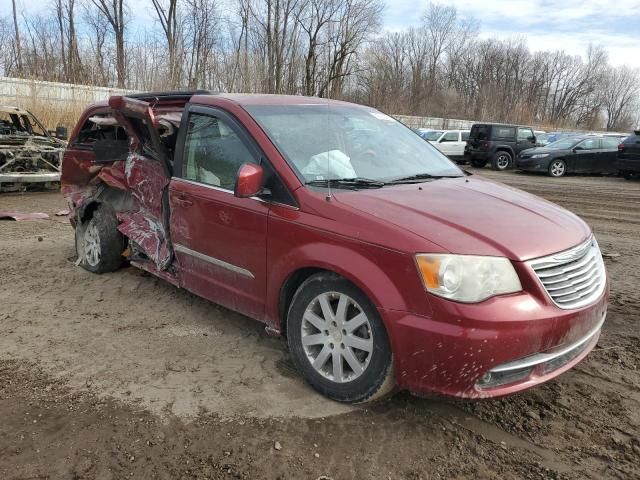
{"x": 124, "y": 376}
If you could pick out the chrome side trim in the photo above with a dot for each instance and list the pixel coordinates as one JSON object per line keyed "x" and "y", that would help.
{"x": 225, "y": 190}
{"x": 538, "y": 358}
{"x": 215, "y": 261}
{"x": 200, "y": 184}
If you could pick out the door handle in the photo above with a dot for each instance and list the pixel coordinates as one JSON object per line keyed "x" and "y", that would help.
{"x": 183, "y": 201}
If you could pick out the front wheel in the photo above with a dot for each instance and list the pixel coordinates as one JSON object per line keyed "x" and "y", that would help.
{"x": 557, "y": 168}
{"x": 338, "y": 341}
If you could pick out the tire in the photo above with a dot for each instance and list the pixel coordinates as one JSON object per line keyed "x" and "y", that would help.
{"x": 501, "y": 160}
{"x": 557, "y": 168}
{"x": 366, "y": 370}
{"x": 628, "y": 175}
{"x": 99, "y": 244}
{"x": 478, "y": 163}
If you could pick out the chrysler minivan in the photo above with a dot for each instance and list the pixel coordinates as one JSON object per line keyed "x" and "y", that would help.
{"x": 380, "y": 261}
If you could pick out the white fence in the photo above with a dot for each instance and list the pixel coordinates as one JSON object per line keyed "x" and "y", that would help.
{"x": 435, "y": 123}
{"x": 24, "y": 93}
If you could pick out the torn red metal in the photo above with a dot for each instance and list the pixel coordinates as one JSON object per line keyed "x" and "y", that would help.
{"x": 19, "y": 216}
{"x": 135, "y": 186}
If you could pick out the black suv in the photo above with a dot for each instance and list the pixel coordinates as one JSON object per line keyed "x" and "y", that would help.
{"x": 629, "y": 156}
{"x": 498, "y": 144}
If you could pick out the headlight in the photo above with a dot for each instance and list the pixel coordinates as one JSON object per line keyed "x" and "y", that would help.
{"x": 467, "y": 278}
{"x": 540, "y": 155}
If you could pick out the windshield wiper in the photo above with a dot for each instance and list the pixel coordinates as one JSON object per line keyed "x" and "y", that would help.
{"x": 421, "y": 177}
{"x": 354, "y": 183}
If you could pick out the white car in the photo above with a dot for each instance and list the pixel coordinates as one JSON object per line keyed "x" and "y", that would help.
{"x": 449, "y": 142}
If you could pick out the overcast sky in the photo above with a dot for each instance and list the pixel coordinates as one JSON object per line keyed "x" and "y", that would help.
{"x": 546, "y": 25}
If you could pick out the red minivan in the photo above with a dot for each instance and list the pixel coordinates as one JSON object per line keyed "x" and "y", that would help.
{"x": 383, "y": 263}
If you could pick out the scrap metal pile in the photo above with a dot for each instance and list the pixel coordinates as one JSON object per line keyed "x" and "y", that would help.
{"x": 29, "y": 154}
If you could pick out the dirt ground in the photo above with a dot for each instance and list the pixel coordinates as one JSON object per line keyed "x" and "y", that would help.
{"x": 122, "y": 375}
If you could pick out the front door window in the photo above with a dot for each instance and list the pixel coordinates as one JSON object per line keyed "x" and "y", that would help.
{"x": 213, "y": 152}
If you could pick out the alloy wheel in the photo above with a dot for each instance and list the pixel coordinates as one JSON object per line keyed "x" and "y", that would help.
{"x": 92, "y": 244}
{"x": 336, "y": 336}
{"x": 502, "y": 161}
{"x": 557, "y": 168}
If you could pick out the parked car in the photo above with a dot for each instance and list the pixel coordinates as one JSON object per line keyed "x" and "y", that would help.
{"x": 380, "y": 273}
{"x": 497, "y": 144}
{"x": 29, "y": 154}
{"x": 430, "y": 135}
{"x": 628, "y": 159}
{"x": 452, "y": 143}
{"x": 542, "y": 139}
{"x": 584, "y": 154}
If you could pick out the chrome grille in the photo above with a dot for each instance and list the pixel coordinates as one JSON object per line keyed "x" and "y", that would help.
{"x": 572, "y": 278}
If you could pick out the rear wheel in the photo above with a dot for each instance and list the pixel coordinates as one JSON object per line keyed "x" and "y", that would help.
{"x": 99, "y": 244}
{"x": 501, "y": 160}
{"x": 338, "y": 341}
{"x": 557, "y": 168}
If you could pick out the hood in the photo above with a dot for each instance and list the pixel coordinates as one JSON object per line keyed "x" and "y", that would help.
{"x": 474, "y": 216}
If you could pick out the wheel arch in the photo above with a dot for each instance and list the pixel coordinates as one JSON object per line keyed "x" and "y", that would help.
{"x": 86, "y": 210}
{"x": 362, "y": 272}
{"x": 505, "y": 148}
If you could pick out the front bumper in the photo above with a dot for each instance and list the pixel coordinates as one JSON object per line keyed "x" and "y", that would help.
{"x": 498, "y": 347}
{"x": 532, "y": 165}
{"x": 29, "y": 177}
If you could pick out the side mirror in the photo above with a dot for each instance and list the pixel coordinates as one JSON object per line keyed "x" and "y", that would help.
{"x": 576, "y": 148}
{"x": 249, "y": 180}
{"x": 532, "y": 139}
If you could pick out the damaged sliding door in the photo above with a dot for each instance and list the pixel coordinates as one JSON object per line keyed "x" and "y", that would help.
{"x": 147, "y": 175}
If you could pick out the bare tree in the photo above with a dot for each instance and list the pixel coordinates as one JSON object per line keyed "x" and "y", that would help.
{"x": 99, "y": 59}
{"x": 114, "y": 11}
{"x": 168, "y": 16}
{"x": 71, "y": 62}
{"x": 619, "y": 94}
{"x": 330, "y": 48}
{"x": 16, "y": 30}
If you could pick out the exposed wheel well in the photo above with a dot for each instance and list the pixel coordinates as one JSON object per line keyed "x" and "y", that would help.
{"x": 288, "y": 290}
{"x": 86, "y": 212}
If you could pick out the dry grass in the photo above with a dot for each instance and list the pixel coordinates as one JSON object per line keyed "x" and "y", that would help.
{"x": 51, "y": 114}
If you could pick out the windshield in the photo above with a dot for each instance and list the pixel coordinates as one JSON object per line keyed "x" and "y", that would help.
{"x": 564, "y": 143}
{"x": 324, "y": 142}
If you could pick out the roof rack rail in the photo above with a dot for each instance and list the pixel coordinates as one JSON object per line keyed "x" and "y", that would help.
{"x": 170, "y": 94}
